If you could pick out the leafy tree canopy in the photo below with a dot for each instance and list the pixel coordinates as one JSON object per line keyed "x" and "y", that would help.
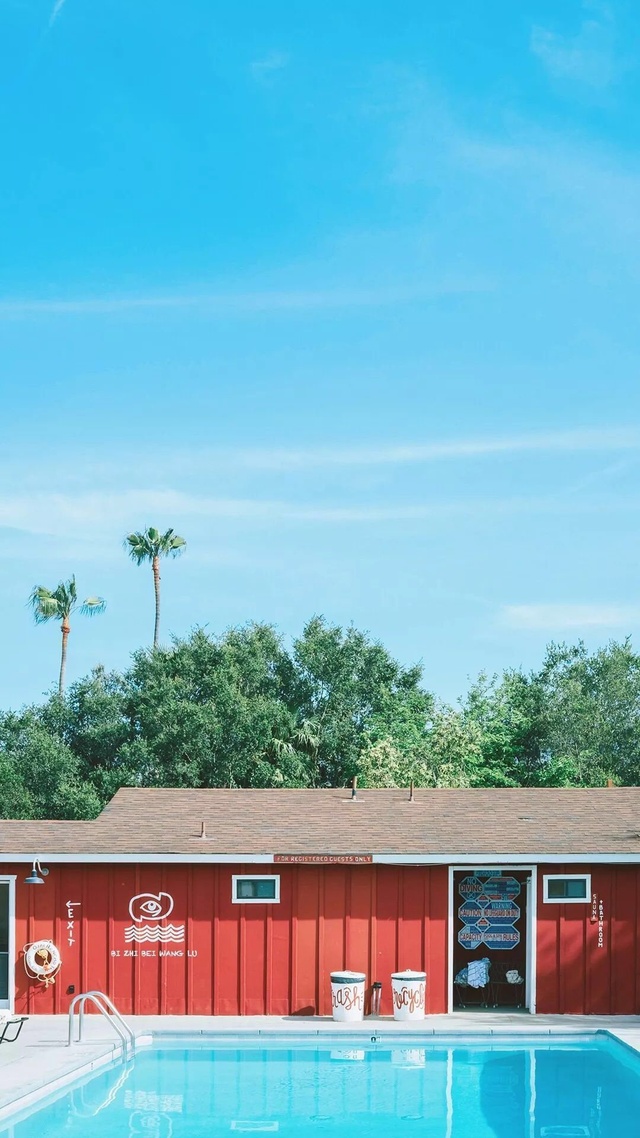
{"x": 245, "y": 710}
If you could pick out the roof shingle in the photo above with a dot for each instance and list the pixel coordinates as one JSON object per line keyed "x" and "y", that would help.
{"x": 443, "y": 822}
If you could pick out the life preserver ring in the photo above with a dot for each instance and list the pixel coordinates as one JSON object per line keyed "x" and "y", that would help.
{"x": 42, "y": 961}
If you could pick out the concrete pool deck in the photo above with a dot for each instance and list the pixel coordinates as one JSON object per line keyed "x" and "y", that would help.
{"x": 40, "y": 1063}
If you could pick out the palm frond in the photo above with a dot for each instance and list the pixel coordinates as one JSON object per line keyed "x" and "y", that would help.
{"x": 281, "y": 748}
{"x": 144, "y": 545}
{"x": 66, "y": 595}
{"x": 176, "y": 544}
{"x": 44, "y": 604}
{"x": 138, "y": 547}
{"x": 93, "y": 606}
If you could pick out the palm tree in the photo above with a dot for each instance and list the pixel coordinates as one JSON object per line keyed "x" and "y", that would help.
{"x": 151, "y": 545}
{"x": 59, "y": 605}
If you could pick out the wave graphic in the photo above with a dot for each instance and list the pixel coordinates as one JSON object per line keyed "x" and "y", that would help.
{"x": 150, "y": 933}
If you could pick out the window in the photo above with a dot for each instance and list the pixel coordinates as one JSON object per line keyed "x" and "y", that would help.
{"x": 255, "y": 890}
{"x": 569, "y": 889}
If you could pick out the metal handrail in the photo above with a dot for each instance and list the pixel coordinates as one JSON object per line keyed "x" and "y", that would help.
{"x": 107, "y": 1008}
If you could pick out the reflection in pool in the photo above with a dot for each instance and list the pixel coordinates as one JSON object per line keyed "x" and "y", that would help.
{"x": 346, "y": 1088}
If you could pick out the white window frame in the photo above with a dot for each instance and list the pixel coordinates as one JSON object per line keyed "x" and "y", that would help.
{"x": 547, "y": 877}
{"x": 236, "y": 877}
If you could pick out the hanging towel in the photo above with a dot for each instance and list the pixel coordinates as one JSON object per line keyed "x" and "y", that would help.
{"x": 514, "y": 977}
{"x": 479, "y": 973}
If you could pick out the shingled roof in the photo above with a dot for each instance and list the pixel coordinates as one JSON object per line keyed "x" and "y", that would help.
{"x": 438, "y": 825}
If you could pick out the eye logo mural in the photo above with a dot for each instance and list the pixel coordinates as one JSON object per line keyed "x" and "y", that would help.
{"x": 152, "y": 907}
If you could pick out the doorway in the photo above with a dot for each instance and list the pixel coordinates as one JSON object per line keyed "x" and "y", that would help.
{"x": 491, "y": 942}
{"x": 7, "y": 886}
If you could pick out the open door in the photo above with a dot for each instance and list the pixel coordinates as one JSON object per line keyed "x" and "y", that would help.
{"x": 6, "y": 943}
{"x": 490, "y": 939}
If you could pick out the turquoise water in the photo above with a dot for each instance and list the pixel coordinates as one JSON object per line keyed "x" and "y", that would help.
{"x": 514, "y": 1089}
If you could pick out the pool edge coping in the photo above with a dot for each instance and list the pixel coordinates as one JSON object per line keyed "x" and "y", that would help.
{"x": 111, "y": 1054}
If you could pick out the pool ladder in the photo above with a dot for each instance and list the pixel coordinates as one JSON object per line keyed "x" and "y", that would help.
{"x": 108, "y": 1009}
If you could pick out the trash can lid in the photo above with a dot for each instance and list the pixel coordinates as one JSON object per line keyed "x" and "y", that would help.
{"x": 408, "y": 974}
{"x": 348, "y": 977}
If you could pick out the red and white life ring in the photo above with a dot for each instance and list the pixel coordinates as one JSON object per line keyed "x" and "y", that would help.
{"x": 42, "y": 961}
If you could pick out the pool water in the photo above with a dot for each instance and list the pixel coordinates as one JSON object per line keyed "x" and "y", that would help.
{"x": 346, "y": 1089}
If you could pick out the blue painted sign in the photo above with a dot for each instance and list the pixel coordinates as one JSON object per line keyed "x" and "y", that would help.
{"x": 489, "y": 913}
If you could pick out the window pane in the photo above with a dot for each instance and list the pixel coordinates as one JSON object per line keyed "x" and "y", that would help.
{"x": 556, "y": 888}
{"x": 567, "y": 888}
{"x": 265, "y": 887}
{"x": 256, "y": 888}
{"x": 577, "y": 888}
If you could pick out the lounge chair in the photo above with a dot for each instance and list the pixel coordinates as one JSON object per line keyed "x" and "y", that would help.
{"x": 10, "y": 1027}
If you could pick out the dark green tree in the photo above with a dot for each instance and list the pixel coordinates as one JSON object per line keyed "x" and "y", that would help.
{"x": 349, "y": 693}
{"x": 590, "y": 715}
{"x": 242, "y": 710}
{"x": 40, "y": 777}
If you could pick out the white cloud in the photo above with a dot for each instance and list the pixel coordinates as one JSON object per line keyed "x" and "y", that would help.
{"x": 56, "y": 10}
{"x": 586, "y": 193}
{"x": 96, "y": 514}
{"x": 587, "y": 57}
{"x": 273, "y": 62}
{"x": 565, "y": 617}
{"x": 573, "y": 189}
{"x": 567, "y": 442}
{"x": 241, "y": 303}
{"x": 54, "y": 499}
{"x": 105, "y": 469}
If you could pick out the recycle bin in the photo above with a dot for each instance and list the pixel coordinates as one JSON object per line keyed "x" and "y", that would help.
{"x": 409, "y": 991}
{"x": 347, "y": 996}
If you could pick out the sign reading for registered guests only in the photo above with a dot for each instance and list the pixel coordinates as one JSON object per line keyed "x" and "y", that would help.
{"x": 325, "y": 859}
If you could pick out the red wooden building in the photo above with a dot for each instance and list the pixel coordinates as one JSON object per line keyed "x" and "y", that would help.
{"x": 243, "y": 901}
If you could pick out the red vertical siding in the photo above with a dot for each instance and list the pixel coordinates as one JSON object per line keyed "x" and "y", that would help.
{"x": 226, "y": 979}
{"x": 305, "y": 940}
{"x": 436, "y": 939}
{"x": 386, "y": 908}
{"x": 623, "y": 932}
{"x": 276, "y": 959}
{"x": 579, "y": 971}
{"x": 279, "y": 955}
{"x": 234, "y": 959}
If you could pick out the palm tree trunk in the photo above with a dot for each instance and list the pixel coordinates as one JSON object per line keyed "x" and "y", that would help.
{"x": 65, "y": 630}
{"x": 156, "y": 585}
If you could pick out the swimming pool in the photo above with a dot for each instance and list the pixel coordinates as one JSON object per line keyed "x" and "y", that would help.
{"x": 345, "y": 1088}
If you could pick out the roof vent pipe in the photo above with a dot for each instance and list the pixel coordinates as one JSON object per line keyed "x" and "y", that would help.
{"x": 411, "y": 794}
{"x": 354, "y": 788}
{"x": 203, "y": 832}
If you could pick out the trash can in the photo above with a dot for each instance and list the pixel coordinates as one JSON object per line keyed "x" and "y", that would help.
{"x": 347, "y": 996}
{"x": 409, "y": 992}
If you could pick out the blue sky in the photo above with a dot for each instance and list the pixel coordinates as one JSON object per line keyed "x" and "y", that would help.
{"x": 348, "y": 295}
